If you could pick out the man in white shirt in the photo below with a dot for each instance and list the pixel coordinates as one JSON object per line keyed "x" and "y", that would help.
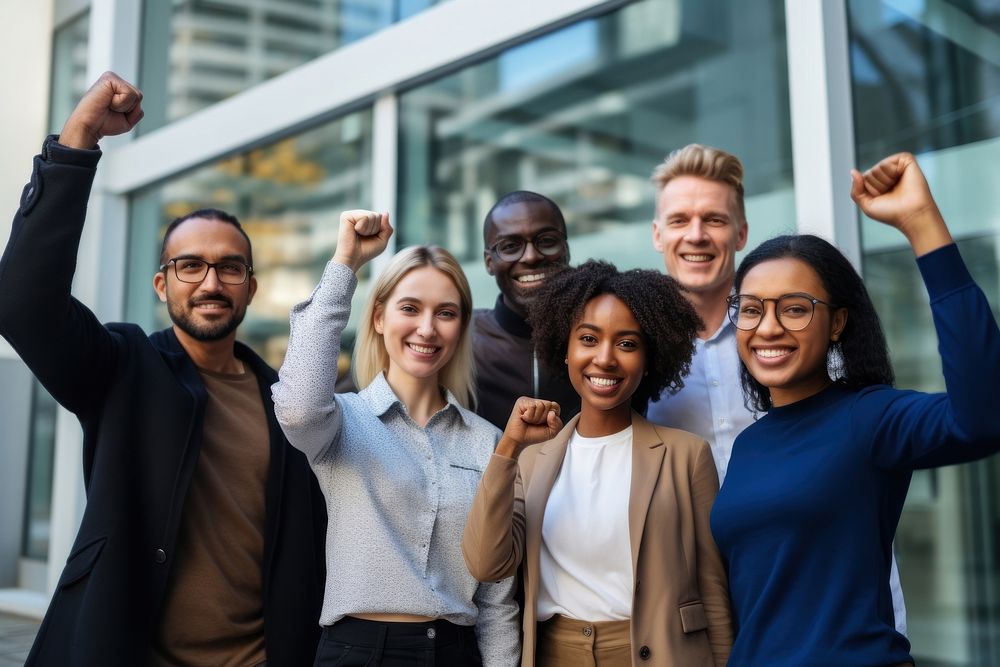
{"x": 699, "y": 226}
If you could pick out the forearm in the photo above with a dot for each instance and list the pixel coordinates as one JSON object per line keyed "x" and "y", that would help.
{"x": 969, "y": 342}
{"x": 493, "y": 540}
{"x": 304, "y": 397}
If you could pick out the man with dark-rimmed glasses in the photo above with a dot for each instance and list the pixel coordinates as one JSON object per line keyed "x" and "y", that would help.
{"x": 524, "y": 236}
{"x": 202, "y": 538}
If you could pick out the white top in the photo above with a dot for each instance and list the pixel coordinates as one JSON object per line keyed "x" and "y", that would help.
{"x": 397, "y": 494}
{"x": 586, "y": 556}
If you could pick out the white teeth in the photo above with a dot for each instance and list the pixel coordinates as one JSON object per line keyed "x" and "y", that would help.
{"x": 771, "y": 354}
{"x": 532, "y": 278}
{"x": 697, "y": 258}
{"x": 604, "y": 382}
{"x": 422, "y": 349}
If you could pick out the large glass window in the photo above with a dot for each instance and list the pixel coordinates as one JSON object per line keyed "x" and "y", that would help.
{"x": 41, "y": 452}
{"x": 198, "y": 52}
{"x": 583, "y": 115}
{"x": 926, "y": 79}
{"x": 69, "y": 69}
{"x": 288, "y": 195}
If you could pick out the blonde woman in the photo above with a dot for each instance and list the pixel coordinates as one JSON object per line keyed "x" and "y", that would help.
{"x": 398, "y": 462}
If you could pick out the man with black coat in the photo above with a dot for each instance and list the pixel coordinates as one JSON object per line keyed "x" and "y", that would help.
{"x": 202, "y": 537}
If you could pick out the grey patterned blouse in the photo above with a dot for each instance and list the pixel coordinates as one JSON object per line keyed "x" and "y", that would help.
{"x": 397, "y": 495}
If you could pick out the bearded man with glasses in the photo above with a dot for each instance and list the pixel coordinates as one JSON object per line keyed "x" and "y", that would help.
{"x": 524, "y": 238}
{"x": 202, "y": 541}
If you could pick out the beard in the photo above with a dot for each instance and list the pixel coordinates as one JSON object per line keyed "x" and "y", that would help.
{"x": 210, "y": 331}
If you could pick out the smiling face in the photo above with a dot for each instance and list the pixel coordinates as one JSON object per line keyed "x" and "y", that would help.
{"x": 209, "y": 310}
{"x": 606, "y": 359}
{"x": 699, "y": 229}
{"x": 519, "y": 280}
{"x": 791, "y": 364}
{"x": 421, "y": 324}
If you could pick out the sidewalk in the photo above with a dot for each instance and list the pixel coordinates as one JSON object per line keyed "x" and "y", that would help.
{"x": 16, "y": 635}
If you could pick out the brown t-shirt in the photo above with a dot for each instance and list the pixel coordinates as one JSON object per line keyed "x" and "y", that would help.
{"x": 213, "y": 612}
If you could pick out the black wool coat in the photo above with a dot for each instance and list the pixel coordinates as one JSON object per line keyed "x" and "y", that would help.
{"x": 140, "y": 401}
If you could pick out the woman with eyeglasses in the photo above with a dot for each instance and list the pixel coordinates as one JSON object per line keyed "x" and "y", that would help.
{"x": 398, "y": 462}
{"x": 807, "y": 515}
{"x": 609, "y": 516}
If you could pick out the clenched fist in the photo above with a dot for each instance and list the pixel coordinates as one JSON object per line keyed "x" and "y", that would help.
{"x": 111, "y": 106}
{"x": 532, "y": 420}
{"x": 363, "y": 235}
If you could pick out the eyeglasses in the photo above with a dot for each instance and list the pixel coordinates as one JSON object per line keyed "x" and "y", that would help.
{"x": 511, "y": 249}
{"x": 194, "y": 270}
{"x": 794, "y": 311}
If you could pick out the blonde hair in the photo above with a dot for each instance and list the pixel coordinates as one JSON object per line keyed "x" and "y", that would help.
{"x": 713, "y": 164}
{"x": 370, "y": 355}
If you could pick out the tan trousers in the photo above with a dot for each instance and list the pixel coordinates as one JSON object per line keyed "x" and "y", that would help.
{"x": 565, "y": 642}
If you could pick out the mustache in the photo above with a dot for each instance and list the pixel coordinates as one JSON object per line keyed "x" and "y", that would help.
{"x": 211, "y": 297}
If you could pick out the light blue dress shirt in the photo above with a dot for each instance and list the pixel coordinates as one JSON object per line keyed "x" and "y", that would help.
{"x": 397, "y": 494}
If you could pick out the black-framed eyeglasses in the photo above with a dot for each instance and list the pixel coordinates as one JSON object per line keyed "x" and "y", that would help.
{"x": 794, "y": 311}
{"x": 511, "y": 249}
{"x": 194, "y": 270}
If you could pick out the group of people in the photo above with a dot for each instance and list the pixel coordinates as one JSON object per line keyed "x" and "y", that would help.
{"x": 536, "y": 483}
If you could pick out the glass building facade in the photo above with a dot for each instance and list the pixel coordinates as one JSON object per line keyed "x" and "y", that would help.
{"x": 579, "y": 100}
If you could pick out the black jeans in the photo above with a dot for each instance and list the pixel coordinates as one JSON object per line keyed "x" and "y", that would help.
{"x": 353, "y": 642}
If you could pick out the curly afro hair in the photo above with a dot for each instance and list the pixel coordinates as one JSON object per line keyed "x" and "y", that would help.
{"x": 668, "y": 321}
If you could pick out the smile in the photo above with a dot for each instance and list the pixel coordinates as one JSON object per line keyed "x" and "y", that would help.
{"x": 697, "y": 258}
{"x": 603, "y": 383}
{"x": 422, "y": 349}
{"x": 530, "y": 278}
{"x": 772, "y": 353}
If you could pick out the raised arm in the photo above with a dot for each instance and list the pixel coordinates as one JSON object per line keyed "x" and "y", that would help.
{"x": 914, "y": 430}
{"x": 304, "y": 397}
{"x": 59, "y": 338}
{"x": 493, "y": 540}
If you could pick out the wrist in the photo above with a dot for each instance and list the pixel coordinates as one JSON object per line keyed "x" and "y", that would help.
{"x": 508, "y": 447}
{"x": 346, "y": 261}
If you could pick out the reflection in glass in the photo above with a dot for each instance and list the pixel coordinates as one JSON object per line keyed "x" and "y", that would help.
{"x": 69, "y": 69}
{"x": 583, "y": 115}
{"x": 41, "y": 455}
{"x": 288, "y": 196}
{"x": 926, "y": 79}
{"x": 198, "y": 52}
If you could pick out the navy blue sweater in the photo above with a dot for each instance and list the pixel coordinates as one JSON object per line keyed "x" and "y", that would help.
{"x": 807, "y": 515}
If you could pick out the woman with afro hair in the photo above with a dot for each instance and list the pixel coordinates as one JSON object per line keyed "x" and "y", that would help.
{"x": 609, "y": 516}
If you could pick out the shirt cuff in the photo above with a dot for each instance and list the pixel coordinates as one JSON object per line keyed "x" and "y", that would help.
{"x": 54, "y": 152}
{"x": 944, "y": 271}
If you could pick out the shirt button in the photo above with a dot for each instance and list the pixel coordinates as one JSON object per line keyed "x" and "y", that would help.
{"x": 644, "y": 653}
{"x": 722, "y": 421}
{"x": 431, "y": 633}
{"x": 587, "y": 631}
{"x": 160, "y": 556}
{"x": 715, "y": 383}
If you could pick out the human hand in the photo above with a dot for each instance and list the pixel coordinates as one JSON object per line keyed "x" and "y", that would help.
{"x": 363, "y": 235}
{"x": 895, "y": 192}
{"x": 111, "y": 106}
{"x": 532, "y": 420}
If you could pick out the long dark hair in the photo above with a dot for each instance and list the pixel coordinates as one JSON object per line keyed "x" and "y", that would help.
{"x": 860, "y": 357}
{"x": 668, "y": 321}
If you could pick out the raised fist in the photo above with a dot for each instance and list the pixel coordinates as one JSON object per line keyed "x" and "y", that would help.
{"x": 532, "y": 420}
{"x": 111, "y": 106}
{"x": 363, "y": 235}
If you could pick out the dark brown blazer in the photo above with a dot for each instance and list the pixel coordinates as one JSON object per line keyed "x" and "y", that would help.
{"x": 680, "y": 608}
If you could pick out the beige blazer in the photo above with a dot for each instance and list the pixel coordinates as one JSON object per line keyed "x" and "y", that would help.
{"x": 680, "y": 605}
